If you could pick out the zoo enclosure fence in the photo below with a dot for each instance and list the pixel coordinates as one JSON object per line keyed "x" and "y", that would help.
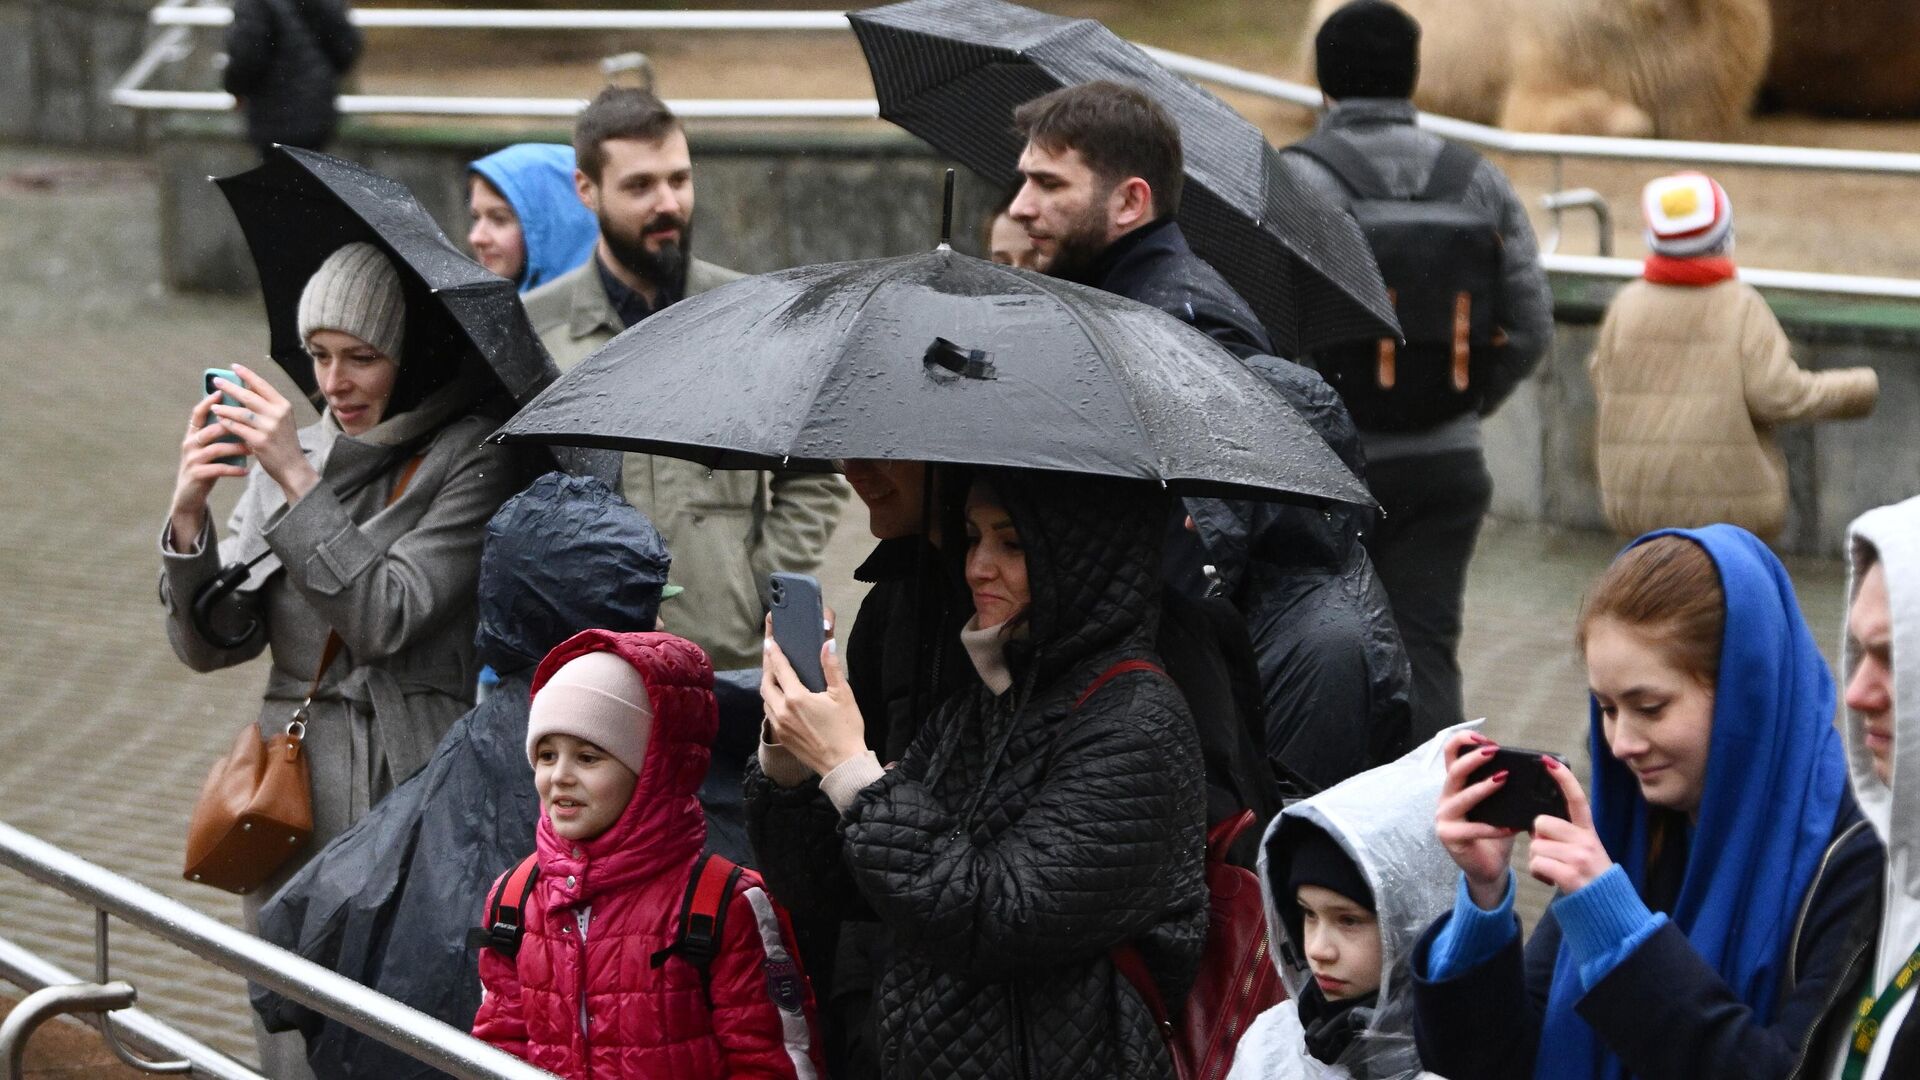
{"x": 176, "y": 19}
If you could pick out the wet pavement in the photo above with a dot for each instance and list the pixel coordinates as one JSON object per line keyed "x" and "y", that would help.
{"x": 104, "y": 736}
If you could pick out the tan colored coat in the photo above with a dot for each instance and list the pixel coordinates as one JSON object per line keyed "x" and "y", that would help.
{"x": 726, "y": 529}
{"x": 1690, "y": 383}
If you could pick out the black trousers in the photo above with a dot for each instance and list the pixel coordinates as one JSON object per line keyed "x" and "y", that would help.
{"x": 1421, "y": 548}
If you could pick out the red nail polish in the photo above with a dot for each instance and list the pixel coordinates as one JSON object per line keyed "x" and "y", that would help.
{"x": 1550, "y": 762}
{"x": 1499, "y": 777}
{"x": 1487, "y": 751}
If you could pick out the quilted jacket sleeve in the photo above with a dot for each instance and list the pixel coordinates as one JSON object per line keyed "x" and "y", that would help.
{"x": 502, "y": 1020}
{"x": 795, "y": 836}
{"x": 1086, "y": 867}
{"x": 1780, "y": 391}
{"x": 763, "y": 1009}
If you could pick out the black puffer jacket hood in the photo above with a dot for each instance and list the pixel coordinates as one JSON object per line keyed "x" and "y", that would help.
{"x": 1022, "y": 836}
{"x": 1092, "y": 546}
{"x": 565, "y": 555}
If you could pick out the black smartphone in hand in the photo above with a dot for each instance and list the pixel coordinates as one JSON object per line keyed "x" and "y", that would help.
{"x": 799, "y": 625}
{"x": 1530, "y": 790}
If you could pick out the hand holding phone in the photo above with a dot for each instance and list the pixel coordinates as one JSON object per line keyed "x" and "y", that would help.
{"x": 799, "y": 625}
{"x": 206, "y": 382}
{"x": 1530, "y": 790}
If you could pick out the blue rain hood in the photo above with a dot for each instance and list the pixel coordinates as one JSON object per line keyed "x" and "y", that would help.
{"x": 1776, "y": 780}
{"x": 537, "y": 179}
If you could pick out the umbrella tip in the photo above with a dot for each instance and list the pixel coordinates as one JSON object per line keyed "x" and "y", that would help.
{"x": 946, "y": 214}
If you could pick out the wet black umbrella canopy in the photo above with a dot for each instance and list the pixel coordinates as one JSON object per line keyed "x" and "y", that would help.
{"x": 300, "y": 206}
{"x": 953, "y": 71}
{"x": 943, "y": 358}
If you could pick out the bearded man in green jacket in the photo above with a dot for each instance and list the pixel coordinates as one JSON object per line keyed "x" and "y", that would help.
{"x": 727, "y": 530}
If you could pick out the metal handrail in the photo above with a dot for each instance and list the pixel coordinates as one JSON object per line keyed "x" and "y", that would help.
{"x": 327, "y": 992}
{"x": 1801, "y": 281}
{"x": 1518, "y": 143}
{"x": 134, "y": 1028}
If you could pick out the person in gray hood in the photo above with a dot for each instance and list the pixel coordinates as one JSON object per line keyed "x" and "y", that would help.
{"x": 1882, "y": 730}
{"x": 1381, "y": 822}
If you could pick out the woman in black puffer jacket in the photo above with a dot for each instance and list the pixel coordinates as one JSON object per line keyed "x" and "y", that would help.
{"x": 1025, "y": 833}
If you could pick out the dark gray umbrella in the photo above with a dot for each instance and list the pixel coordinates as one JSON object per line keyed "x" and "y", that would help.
{"x": 938, "y": 357}
{"x": 299, "y": 206}
{"x": 952, "y": 72}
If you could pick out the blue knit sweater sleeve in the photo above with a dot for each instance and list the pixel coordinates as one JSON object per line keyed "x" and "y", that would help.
{"x": 1472, "y": 934}
{"x": 1603, "y": 923}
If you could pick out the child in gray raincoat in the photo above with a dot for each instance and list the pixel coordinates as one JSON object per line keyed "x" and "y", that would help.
{"x": 1351, "y": 877}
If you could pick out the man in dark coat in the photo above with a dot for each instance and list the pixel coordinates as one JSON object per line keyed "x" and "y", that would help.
{"x": 1433, "y": 482}
{"x": 1334, "y": 676}
{"x": 285, "y": 59}
{"x": 1103, "y": 172}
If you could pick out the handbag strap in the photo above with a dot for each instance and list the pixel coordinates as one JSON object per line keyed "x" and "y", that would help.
{"x": 297, "y": 727}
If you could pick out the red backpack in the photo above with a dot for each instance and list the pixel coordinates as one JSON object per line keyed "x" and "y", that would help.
{"x": 1237, "y": 980}
{"x": 703, "y": 911}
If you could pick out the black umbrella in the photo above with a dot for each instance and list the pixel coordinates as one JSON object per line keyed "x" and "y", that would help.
{"x": 952, "y": 72}
{"x": 300, "y": 206}
{"x": 938, "y": 357}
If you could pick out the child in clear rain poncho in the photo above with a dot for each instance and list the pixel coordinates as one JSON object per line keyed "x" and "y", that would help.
{"x": 1351, "y": 877}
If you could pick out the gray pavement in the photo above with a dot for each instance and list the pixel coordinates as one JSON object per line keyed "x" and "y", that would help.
{"x": 104, "y": 737}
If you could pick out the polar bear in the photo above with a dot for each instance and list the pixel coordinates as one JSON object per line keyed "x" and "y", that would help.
{"x": 1685, "y": 69}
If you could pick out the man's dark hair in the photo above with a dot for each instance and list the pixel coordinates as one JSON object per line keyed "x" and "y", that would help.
{"x": 1367, "y": 49}
{"x": 1119, "y": 132}
{"x": 618, "y": 112}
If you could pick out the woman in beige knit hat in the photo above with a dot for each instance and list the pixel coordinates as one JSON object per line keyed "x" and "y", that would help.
{"x": 369, "y": 522}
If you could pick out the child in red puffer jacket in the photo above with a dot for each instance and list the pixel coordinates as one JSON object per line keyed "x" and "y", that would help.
{"x": 601, "y": 983}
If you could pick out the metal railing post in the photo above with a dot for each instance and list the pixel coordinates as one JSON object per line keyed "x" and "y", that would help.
{"x": 43, "y": 1005}
{"x": 107, "y": 1032}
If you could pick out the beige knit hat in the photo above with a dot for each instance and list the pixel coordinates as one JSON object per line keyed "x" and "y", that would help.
{"x": 356, "y": 291}
{"x": 598, "y": 697}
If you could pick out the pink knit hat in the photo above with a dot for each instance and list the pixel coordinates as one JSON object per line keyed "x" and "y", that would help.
{"x": 1687, "y": 214}
{"x": 598, "y": 697}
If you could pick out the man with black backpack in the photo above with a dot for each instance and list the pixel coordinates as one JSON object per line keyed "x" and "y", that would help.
{"x": 1462, "y": 265}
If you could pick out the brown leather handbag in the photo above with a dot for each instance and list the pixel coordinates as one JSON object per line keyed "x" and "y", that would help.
{"x": 255, "y": 810}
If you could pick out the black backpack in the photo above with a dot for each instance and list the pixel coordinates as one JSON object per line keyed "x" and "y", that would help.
{"x": 1440, "y": 257}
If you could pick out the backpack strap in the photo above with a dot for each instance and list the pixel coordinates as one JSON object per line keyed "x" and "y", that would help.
{"x": 1452, "y": 171}
{"x": 1345, "y": 161}
{"x": 703, "y": 913}
{"x": 1114, "y": 672}
{"x": 506, "y": 907}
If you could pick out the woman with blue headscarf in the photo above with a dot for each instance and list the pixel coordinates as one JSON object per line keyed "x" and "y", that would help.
{"x": 1715, "y": 895}
{"x": 529, "y": 225}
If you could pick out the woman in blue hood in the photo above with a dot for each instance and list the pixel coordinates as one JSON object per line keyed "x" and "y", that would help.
{"x": 1715, "y": 897}
{"x": 529, "y": 225}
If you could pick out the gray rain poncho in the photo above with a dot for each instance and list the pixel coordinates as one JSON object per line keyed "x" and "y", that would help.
{"x": 1383, "y": 820}
{"x": 389, "y": 902}
{"x": 1894, "y": 809}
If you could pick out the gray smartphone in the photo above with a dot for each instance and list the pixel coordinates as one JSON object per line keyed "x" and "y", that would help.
{"x": 799, "y": 625}
{"x": 206, "y": 382}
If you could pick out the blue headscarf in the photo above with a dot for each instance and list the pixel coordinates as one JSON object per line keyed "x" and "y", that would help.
{"x": 1776, "y": 779}
{"x": 537, "y": 180}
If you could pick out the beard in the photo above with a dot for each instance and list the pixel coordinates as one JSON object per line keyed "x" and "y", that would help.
{"x": 1080, "y": 246}
{"x": 665, "y": 267}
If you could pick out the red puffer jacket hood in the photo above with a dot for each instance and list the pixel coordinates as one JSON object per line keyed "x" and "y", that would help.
{"x": 596, "y": 990}
{"x": 663, "y": 827}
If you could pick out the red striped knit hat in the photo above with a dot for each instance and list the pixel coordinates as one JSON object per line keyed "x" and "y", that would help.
{"x": 1687, "y": 214}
